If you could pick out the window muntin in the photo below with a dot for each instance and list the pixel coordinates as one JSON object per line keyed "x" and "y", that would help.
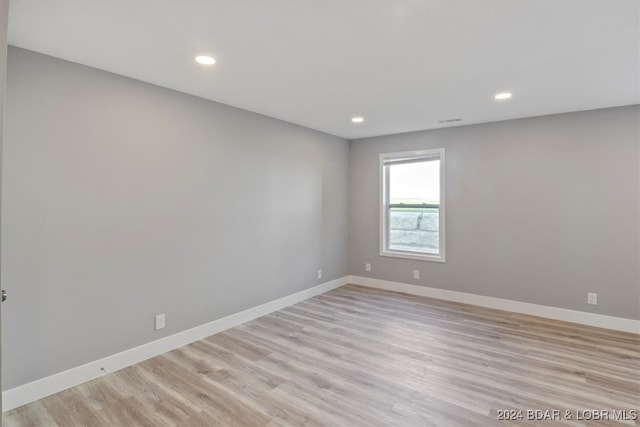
{"x": 412, "y": 211}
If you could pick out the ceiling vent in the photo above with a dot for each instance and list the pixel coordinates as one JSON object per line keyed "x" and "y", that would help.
{"x": 445, "y": 121}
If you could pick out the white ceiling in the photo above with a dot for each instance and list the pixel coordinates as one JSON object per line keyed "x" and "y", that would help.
{"x": 403, "y": 65}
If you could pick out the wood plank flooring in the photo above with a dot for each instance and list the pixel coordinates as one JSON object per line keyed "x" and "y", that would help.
{"x": 362, "y": 357}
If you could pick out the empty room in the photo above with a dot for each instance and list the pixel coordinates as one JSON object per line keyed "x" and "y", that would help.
{"x": 320, "y": 213}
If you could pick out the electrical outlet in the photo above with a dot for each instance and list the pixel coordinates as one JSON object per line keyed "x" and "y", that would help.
{"x": 319, "y": 274}
{"x": 367, "y": 267}
{"x": 592, "y": 298}
{"x": 160, "y": 321}
{"x": 416, "y": 274}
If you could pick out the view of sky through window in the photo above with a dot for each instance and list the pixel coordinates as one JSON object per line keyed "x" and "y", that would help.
{"x": 415, "y": 183}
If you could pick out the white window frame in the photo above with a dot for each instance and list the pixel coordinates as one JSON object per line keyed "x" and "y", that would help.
{"x": 384, "y": 206}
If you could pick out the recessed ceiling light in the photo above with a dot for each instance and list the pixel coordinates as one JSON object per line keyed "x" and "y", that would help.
{"x": 357, "y": 119}
{"x": 503, "y": 95}
{"x": 205, "y": 60}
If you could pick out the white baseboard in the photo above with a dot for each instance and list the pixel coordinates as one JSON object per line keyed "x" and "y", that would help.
{"x": 574, "y": 316}
{"x": 38, "y": 389}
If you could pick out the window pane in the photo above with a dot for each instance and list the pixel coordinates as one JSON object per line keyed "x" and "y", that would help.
{"x": 414, "y": 228}
{"x": 415, "y": 183}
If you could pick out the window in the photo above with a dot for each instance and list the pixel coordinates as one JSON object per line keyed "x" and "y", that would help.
{"x": 412, "y": 205}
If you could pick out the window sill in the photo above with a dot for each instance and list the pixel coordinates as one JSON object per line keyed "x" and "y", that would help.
{"x": 413, "y": 255}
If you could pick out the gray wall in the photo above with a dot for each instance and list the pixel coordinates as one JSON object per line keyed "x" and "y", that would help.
{"x": 540, "y": 210}
{"x": 123, "y": 200}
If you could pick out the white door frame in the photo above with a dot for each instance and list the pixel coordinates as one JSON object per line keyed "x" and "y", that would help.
{"x": 4, "y": 23}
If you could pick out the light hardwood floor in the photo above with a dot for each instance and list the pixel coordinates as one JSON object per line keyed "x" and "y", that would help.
{"x": 361, "y": 357}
